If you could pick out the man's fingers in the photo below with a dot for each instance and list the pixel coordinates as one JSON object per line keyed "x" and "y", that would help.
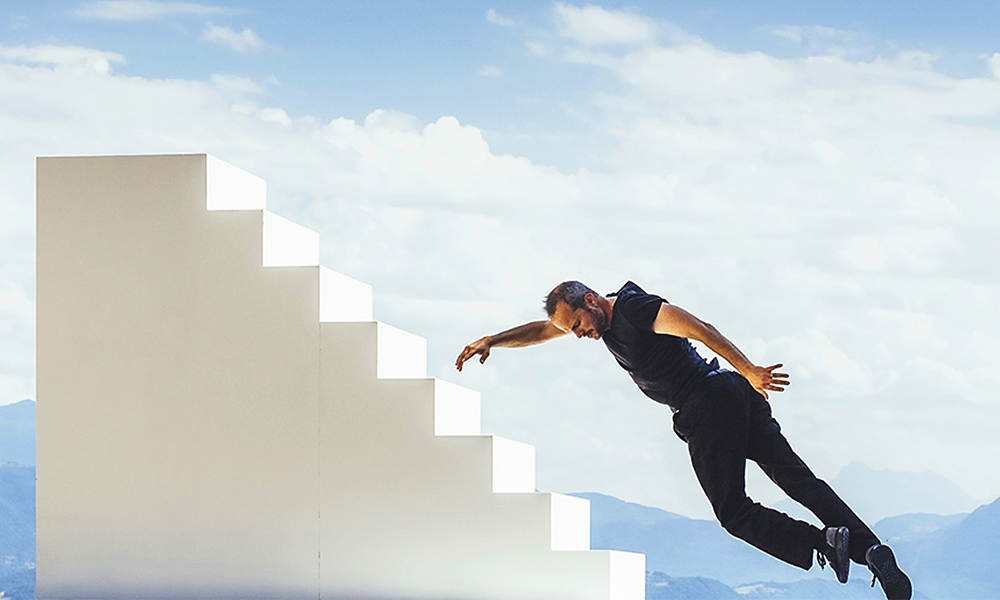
{"x": 470, "y": 351}
{"x": 466, "y": 354}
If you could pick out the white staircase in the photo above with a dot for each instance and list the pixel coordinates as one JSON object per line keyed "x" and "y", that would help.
{"x": 219, "y": 417}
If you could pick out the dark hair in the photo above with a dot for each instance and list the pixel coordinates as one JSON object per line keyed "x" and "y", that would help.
{"x": 570, "y": 292}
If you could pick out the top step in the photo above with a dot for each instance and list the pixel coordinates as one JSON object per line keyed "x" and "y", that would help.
{"x": 231, "y": 188}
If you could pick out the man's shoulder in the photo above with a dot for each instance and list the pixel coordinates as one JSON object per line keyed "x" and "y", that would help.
{"x": 630, "y": 288}
{"x": 636, "y": 306}
{"x": 633, "y": 293}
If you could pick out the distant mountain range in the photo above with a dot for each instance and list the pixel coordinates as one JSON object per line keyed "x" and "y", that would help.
{"x": 17, "y": 518}
{"x": 946, "y": 557}
{"x": 17, "y": 433}
{"x": 876, "y": 494}
{"x": 950, "y": 556}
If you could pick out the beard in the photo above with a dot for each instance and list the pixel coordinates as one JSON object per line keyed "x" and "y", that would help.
{"x": 599, "y": 319}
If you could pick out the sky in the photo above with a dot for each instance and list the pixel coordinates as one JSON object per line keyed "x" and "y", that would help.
{"x": 817, "y": 180}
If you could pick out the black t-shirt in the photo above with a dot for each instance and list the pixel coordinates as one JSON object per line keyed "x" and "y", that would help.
{"x": 665, "y": 367}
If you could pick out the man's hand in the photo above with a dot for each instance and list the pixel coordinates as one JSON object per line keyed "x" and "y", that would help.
{"x": 764, "y": 378}
{"x": 481, "y": 346}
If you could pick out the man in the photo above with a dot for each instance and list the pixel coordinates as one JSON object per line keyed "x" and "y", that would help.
{"x": 722, "y": 415}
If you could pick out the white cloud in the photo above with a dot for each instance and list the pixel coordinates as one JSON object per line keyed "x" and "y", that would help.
{"x": 866, "y": 253}
{"x": 73, "y": 57}
{"x": 994, "y": 65}
{"x": 491, "y": 71}
{"x": 788, "y": 32}
{"x": 799, "y": 34}
{"x": 593, "y": 25}
{"x": 242, "y": 41}
{"x": 829, "y": 152}
{"x": 274, "y": 115}
{"x": 143, "y": 10}
{"x": 821, "y": 212}
{"x": 537, "y": 48}
{"x": 232, "y": 83}
{"x": 493, "y": 17}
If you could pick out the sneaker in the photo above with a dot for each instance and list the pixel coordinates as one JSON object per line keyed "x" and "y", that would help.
{"x": 836, "y": 552}
{"x": 895, "y": 583}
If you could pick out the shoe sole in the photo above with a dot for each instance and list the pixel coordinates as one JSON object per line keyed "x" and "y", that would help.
{"x": 843, "y": 555}
{"x": 895, "y": 583}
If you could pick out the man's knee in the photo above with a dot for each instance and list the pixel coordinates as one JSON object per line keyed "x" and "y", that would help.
{"x": 734, "y": 515}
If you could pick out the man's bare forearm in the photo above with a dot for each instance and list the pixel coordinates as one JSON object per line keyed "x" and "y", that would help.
{"x": 724, "y": 348}
{"x": 528, "y": 334}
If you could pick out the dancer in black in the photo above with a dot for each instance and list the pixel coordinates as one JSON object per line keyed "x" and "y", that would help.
{"x": 723, "y": 416}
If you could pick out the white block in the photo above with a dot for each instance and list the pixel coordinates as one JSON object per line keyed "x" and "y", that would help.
{"x": 231, "y": 188}
{"x": 401, "y": 355}
{"x": 628, "y": 575}
{"x": 513, "y": 466}
{"x": 288, "y": 244}
{"x": 570, "y": 522}
{"x": 456, "y": 409}
{"x": 177, "y": 390}
{"x": 343, "y": 299}
{"x": 201, "y": 417}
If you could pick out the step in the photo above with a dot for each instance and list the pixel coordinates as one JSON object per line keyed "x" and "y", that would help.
{"x": 455, "y": 410}
{"x": 230, "y": 188}
{"x": 343, "y": 299}
{"x": 373, "y": 349}
{"x": 513, "y": 466}
{"x": 288, "y": 244}
{"x": 570, "y": 518}
{"x": 401, "y": 354}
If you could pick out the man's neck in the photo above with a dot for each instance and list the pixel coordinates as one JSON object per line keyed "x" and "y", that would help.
{"x": 608, "y": 306}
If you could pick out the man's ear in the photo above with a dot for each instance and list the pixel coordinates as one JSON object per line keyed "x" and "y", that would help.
{"x": 590, "y": 300}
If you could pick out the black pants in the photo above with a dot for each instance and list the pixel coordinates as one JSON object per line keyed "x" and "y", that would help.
{"x": 725, "y": 422}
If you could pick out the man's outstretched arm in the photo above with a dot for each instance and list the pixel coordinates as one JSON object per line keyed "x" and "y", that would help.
{"x": 528, "y": 334}
{"x": 674, "y": 320}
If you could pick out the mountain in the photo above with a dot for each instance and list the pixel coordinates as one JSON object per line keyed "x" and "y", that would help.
{"x": 608, "y": 509}
{"x": 901, "y": 529}
{"x": 946, "y": 557}
{"x": 17, "y": 518}
{"x": 17, "y": 433}
{"x": 662, "y": 587}
{"x": 19, "y": 585}
{"x": 858, "y": 588}
{"x": 959, "y": 560}
{"x": 680, "y": 547}
{"x": 877, "y": 494}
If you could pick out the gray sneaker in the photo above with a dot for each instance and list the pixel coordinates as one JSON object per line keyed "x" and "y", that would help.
{"x": 836, "y": 552}
{"x": 895, "y": 583}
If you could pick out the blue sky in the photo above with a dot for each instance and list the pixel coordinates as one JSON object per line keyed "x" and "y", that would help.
{"x": 816, "y": 179}
{"x": 341, "y": 59}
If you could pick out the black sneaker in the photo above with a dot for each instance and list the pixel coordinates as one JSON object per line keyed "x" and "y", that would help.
{"x": 836, "y": 551}
{"x": 895, "y": 583}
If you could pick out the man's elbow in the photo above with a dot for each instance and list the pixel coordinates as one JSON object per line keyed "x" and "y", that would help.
{"x": 705, "y": 332}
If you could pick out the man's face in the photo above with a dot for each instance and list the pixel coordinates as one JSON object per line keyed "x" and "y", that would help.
{"x": 589, "y": 321}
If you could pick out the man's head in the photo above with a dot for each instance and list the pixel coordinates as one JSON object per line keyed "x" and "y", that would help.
{"x": 575, "y": 308}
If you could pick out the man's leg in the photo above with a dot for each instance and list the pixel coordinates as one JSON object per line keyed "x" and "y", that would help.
{"x": 715, "y": 422}
{"x": 772, "y": 452}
